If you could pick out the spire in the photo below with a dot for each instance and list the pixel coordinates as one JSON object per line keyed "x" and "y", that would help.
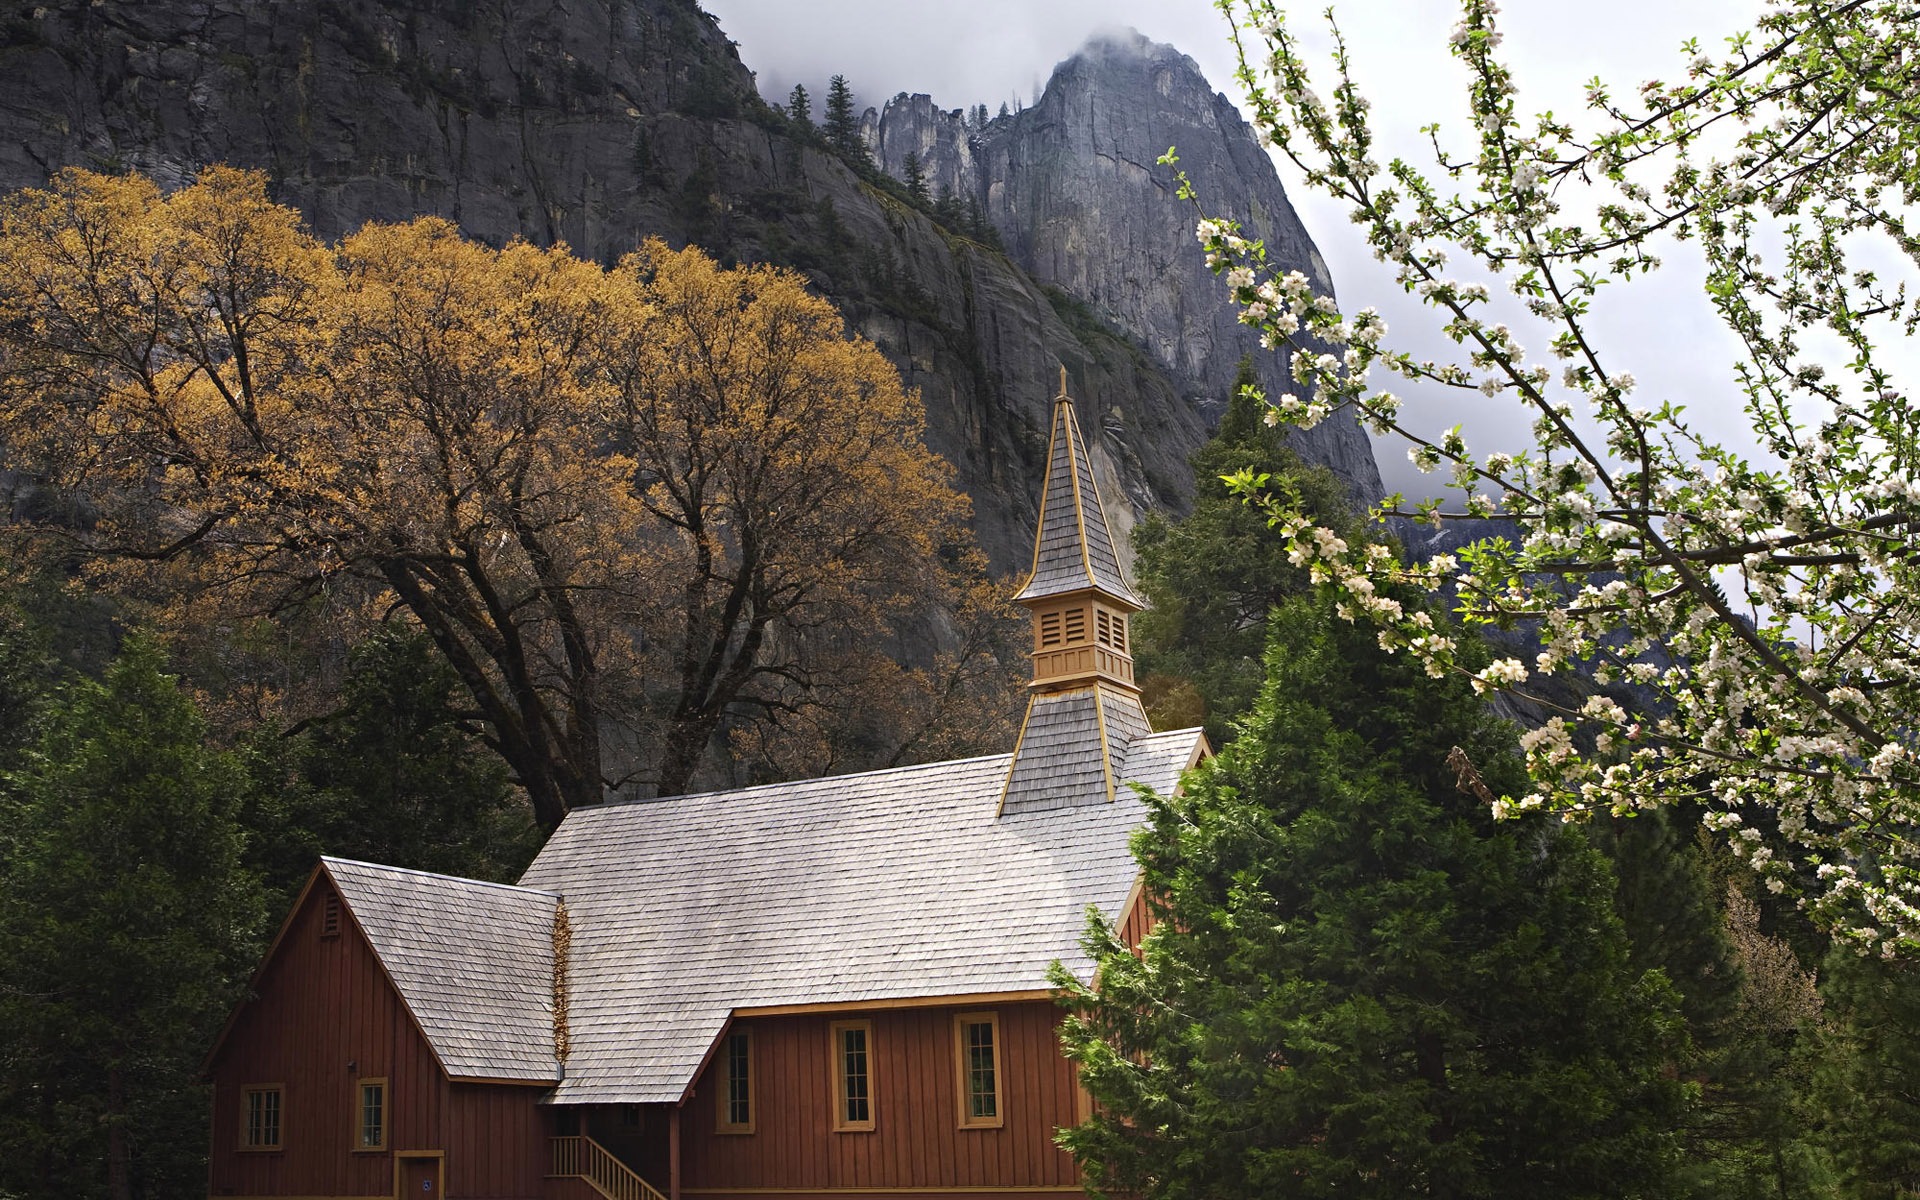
{"x": 1085, "y": 710}
{"x": 1073, "y": 548}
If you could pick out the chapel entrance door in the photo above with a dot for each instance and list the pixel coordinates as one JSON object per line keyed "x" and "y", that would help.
{"x": 420, "y": 1178}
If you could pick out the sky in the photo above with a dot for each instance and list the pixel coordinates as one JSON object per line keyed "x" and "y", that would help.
{"x": 989, "y": 51}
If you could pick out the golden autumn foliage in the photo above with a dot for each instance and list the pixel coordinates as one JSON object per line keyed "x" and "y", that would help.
{"x": 637, "y": 509}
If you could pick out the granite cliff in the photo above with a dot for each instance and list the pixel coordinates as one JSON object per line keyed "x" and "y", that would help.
{"x": 599, "y": 122}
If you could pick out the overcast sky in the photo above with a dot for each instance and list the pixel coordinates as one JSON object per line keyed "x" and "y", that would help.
{"x": 989, "y": 51}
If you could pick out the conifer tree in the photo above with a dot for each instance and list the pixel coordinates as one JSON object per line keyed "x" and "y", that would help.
{"x": 947, "y": 208}
{"x": 1359, "y": 985}
{"x": 1212, "y": 576}
{"x": 395, "y": 776}
{"x": 1865, "y": 1076}
{"x": 914, "y": 176}
{"x": 800, "y": 107}
{"x": 127, "y": 923}
{"x": 841, "y": 124}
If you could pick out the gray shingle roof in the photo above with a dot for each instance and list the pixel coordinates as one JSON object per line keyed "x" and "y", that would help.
{"x": 1073, "y": 548}
{"x": 1052, "y": 767}
{"x": 886, "y": 885}
{"x": 473, "y": 961}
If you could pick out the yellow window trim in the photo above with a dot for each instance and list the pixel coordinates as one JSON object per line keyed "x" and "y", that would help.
{"x": 247, "y": 1092}
{"x": 359, "y": 1127}
{"x": 999, "y": 1117}
{"x": 835, "y": 1032}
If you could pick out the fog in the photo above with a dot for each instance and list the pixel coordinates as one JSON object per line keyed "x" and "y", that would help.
{"x": 995, "y": 51}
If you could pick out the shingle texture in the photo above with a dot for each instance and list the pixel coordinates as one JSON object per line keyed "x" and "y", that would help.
{"x": 1058, "y": 762}
{"x": 1073, "y": 549}
{"x": 473, "y": 962}
{"x": 886, "y": 885}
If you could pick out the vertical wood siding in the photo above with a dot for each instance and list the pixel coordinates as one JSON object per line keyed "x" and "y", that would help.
{"x": 322, "y": 1004}
{"x": 916, "y": 1141}
{"x": 1138, "y": 922}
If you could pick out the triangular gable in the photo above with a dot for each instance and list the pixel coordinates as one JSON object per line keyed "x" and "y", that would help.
{"x": 473, "y": 962}
{"x": 470, "y": 962}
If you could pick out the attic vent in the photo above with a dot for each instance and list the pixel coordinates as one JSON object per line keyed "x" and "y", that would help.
{"x": 1076, "y": 625}
{"x": 1049, "y": 629}
{"x": 1110, "y": 630}
{"x": 330, "y": 915}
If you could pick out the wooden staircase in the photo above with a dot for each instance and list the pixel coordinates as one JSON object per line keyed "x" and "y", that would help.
{"x": 581, "y": 1157}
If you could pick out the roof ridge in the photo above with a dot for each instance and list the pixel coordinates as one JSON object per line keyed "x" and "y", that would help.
{"x": 625, "y": 801}
{"x": 511, "y": 887}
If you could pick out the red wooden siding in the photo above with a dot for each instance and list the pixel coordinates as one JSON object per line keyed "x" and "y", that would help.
{"x": 916, "y": 1141}
{"x": 325, "y": 1018}
{"x": 1138, "y": 921}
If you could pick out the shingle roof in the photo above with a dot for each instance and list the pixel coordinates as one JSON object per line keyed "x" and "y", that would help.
{"x": 1073, "y": 548}
{"x": 1073, "y": 748}
{"x": 473, "y": 962}
{"x": 886, "y": 885}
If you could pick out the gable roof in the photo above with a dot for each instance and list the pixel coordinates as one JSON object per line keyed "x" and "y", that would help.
{"x": 472, "y": 961}
{"x": 1073, "y": 547}
{"x": 888, "y": 885}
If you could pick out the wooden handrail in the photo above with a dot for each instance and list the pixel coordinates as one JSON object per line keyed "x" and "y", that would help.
{"x": 581, "y": 1157}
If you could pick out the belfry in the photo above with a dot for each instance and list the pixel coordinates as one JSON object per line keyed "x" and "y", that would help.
{"x": 1083, "y": 688}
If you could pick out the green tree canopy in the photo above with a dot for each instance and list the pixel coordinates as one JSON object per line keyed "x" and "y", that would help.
{"x": 842, "y": 125}
{"x": 127, "y": 924}
{"x": 1361, "y": 986}
{"x": 1212, "y": 576}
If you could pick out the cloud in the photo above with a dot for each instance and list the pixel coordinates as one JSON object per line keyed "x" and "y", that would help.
{"x": 989, "y": 51}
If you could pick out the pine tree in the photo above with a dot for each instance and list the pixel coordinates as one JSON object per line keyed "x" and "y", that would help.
{"x": 127, "y": 925}
{"x": 914, "y": 176}
{"x": 842, "y": 125}
{"x": 1359, "y": 985}
{"x": 394, "y": 776}
{"x": 947, "y": 209}
{"x": 1865, "y": 1072}
{"x": 1212, "y": 576}
{"x": 800, "y": 107}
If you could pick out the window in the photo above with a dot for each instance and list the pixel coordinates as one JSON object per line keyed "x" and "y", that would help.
{"x": 1110, "y": 629}
{"x": 260, "y": 1109}
{"x": 976, "y": 1038}
{"x": 371, "y": 1118}
{"x": 330, "y": 915}
{"x": 852, "y": 1075}
{"x": 1049, "y": 629}
{"x": 736, "y": 1079}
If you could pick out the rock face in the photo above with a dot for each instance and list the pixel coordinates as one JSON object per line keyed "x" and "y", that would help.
{"x": 1074, "y": 187}
{"x": 600, "y": 122}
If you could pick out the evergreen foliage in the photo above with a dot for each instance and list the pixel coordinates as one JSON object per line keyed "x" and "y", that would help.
{"x": 948, "y": 210}
{"x": 841, "y": 125}
{"x": 394, "y": 776}
{"x": 128, "y": 922}
{"x": 1361, "y": 986}
{"x": 800, "y": 107}
{"x": 913, "y": 175}
{"x": 1864, "y": 1077}
{"x": 1212, "y": 577}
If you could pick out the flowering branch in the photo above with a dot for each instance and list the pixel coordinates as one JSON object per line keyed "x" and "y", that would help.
{"x": 1767, "y": 601}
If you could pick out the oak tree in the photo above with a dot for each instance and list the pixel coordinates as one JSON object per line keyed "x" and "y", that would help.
{"x": 629, "y": 506}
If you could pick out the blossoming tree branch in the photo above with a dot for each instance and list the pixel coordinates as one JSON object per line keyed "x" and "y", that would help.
{"x": 1766, "y": 600}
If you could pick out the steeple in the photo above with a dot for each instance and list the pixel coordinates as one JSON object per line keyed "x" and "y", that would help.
{"x": 1084, "y": 711}
{"x": 1079, "y": 596}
